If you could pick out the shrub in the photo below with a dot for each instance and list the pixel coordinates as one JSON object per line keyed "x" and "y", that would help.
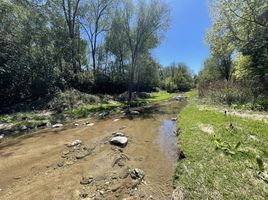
{"x": 228, "y": 92}
{"x": 72, "y": 99}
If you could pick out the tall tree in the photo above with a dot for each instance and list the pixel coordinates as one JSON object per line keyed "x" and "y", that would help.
{"x": 96, "y": 20}
{"x": 142, "y": 24}
{"x": 70, "y": 9}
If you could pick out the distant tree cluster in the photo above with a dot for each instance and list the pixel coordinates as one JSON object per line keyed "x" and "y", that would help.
{"x": 238, "y": 43}
{"x": 95, "y": 46}
{"x": 177, "y": 77}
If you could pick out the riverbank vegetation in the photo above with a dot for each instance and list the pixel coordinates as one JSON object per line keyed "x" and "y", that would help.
{"x": 93, "y": 47}
{"x": 226, "y": 155}
{"x": 62, "y": 60}
{"x": 236, "y": 73}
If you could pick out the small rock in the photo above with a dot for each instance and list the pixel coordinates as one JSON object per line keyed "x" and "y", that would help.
{"x": 86, "y": 180}
{"x": 119, "y": 141}
{"x": 2, "y": 136}
{"x": 17, "y": 177}
{"x": 23, "y": 128}
{"x": 90, "y": 124}
{"x": 65, "y": 152}
{"x": 74, "y": 143}
{"x": 137, "y": 174}
{"x": 42, "y": 124}
{"x": 101, "y": 192}
{"x": 174, "y": 119}
{"x": 134, "y": 112}
{"x": 60, "y": 164}
{"x": 116, "y": 187}
{"x": 116, "y": 120}
{"x": 76, "y": 124}
{"x": 81, "y": 155}
{"x": 124, "y": 173}
{"x": 104, "y": 114}
{"x": 118, "y": 134}
{"x": 83, "y": 195}
{"x": 57, "y": 125}
{"x": 142, "y": 195}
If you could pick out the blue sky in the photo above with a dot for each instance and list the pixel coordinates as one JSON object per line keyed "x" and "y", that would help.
{"x": 184, "y": 41}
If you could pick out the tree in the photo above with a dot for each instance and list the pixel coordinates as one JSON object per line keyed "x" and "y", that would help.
{"x": 243, "y": 26}
{"x": 142, "y": 24}
{"x": 96, "y": 22}
{"x": 177, "y": 77}
{"x": 70, "y": 9}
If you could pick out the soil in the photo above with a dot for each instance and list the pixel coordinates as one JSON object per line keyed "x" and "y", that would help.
{"x": 43, "y": 166}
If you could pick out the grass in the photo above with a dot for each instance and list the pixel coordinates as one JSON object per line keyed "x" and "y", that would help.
{"x": 221, "y": 165}
{"x": 84, "y": 111}
{"x": 158, "y": 97}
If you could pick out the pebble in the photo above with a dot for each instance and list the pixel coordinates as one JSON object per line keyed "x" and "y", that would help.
{"x": 86, "y": 180}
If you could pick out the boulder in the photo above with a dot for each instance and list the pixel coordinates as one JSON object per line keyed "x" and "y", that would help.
{"x": 119, "y": 141}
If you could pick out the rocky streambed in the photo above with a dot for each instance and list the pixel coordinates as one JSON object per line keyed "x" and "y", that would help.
{"x": 118, "y": 157}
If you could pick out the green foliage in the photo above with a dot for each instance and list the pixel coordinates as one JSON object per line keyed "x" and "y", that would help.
{"x": 238, "y": 43}
{"x": 177, "y": 78}
{"x": 169, "y": 85}
{"x": 72, "y": 99}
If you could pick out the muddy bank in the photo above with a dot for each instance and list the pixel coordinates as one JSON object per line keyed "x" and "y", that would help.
{"x": 42, "y": 166}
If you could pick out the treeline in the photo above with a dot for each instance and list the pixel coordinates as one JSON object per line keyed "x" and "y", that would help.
{"x": 236, "y": 72}
{"x": 94, "y": 46}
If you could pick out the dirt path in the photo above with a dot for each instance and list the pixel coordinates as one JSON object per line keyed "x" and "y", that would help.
{"x": 41, "y": 166}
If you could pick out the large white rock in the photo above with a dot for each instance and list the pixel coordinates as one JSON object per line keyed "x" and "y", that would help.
{"x": 57, "y": 125}
{"x": 119, "y": 141}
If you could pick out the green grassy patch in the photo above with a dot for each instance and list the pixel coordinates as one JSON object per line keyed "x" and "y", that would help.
{"x": 84, "y": 111}
{"x": 159, "y": 96}
{"x": 191, "y": 94}
{"x": 221, "y": 163}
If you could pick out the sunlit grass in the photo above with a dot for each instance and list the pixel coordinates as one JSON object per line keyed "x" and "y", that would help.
{"x": 221, "y": 165}
{"x": 159, "y": 96}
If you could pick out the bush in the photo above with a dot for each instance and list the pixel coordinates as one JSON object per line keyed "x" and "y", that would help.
{"x": 72, "y": 99}
{"x": 227, "y": 92}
